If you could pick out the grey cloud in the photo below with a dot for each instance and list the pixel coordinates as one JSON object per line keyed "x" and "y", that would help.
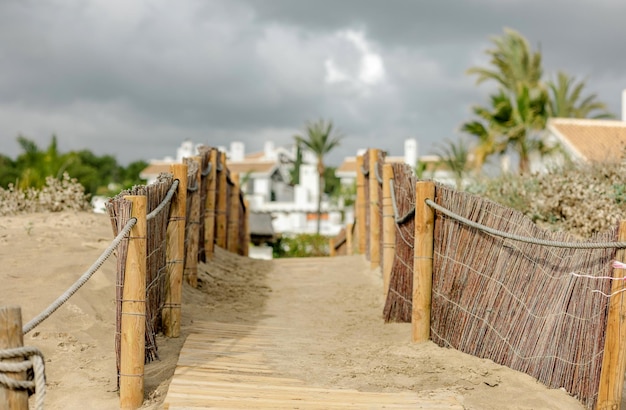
{"x": 135, "y": 79}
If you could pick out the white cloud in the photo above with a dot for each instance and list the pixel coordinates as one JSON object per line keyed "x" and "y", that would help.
{"x": 360, "y": 68}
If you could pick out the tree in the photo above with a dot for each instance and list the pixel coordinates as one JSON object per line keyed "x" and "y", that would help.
{"x": 320, "y": 138}
{"x": 95, "y": 173}
{"x": 515, "y": 65}
{"x": 565, "y": 100}
{"x": 519, "y": 110}
{"x": 487, "y": 129}
{"x": 456, "y": 158}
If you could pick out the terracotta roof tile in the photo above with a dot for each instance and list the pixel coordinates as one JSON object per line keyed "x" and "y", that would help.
{"x": 592, "y": 140}
{"x": 155, "y": 168}
{"x": 348, "y": 165}
{"x": 251, "y": 167}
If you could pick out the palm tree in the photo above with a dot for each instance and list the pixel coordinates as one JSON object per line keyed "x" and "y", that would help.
{"x": 488, "y": 129}
{"x": 514, "y": 63}
{"x": 320, "y": 139}
{"x": 456, "y": 158}
{"x": 518, "y": 110}
{"x": 565, "y": 95}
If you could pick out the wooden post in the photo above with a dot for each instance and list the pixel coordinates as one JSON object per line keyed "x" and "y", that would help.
{"x": 233, "y": 215}
{"x": 423, "y": 261}
{"x": 349, "y": 243}
{"x": 374, "y": 210}
{"x": 389, "y": 228}
{"x": 331, "y": 247}
{"x": 360, "y": 205}
{"x": 11, "y": 337}
{"x": 614, "y": 359}
{"x": 193, "y": 236}
{"x": 133, "y": 319}
{"x": 209, "y": 213}
{"x": 175, "y": 254}
{"x": 221, "y": 204}
{"x": 246, "y": 227}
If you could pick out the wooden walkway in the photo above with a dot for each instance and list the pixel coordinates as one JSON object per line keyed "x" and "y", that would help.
{"x": 226, "y": 366}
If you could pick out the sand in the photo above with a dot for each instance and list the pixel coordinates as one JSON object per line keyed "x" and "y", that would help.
{"x": 337, "y": 304}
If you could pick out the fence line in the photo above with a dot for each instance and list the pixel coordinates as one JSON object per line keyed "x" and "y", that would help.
{"x": 482, "y": 289}
{"x": 160, "y": 226}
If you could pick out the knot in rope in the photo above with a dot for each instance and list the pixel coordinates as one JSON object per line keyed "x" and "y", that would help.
{"x": 32, "y": 363}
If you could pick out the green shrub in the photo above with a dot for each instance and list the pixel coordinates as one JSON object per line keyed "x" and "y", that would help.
{"x": 301, "y": 245}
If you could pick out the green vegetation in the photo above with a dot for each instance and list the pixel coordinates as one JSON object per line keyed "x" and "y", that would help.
{"x": 64, "y": 194}
{"x": 99, "y": 175}
{"x": 517, "y": 113}
{"x": 321, "y": 139}
{"x": 578, "y": 199}
{"x": 302, "y": 245}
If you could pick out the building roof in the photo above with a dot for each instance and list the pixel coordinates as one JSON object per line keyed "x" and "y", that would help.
{"x": 242, "y": 168}
{"x": 155, "y": 168}
{"x": 591, "y": 140}
{"x": 254, "y": 167}
{"x": 348, "y": 166}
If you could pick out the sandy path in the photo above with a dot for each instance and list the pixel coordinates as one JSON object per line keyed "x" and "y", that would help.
{"x": 335, "y": 304}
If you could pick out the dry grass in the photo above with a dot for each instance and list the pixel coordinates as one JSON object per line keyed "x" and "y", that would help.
{"x": 64, "y": 194}
{"x": 581, "y": 200}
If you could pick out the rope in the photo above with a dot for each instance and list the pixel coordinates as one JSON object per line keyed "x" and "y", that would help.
{"x": 410, "y": 214}
{"x": 365, "y": 172}
{"x": 207, "y": 171}
{"x": 32, "y": 359}
{"x": 165, "y": 201}
{"x": 82, "y": 280}
{"x": 194, "y": 187}
{"x": 377, "y": 173}
{"x": 535, "y": 241}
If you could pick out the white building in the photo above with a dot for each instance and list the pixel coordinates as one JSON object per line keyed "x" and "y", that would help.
{"x": 266, "y": 179}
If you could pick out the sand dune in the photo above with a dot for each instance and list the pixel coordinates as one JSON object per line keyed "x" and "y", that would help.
{"x": 338, "y": 305}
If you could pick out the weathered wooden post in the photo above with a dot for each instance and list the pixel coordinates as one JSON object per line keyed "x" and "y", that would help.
{"x": 360, "y": 205}
{"x": 423, "y": 261}
{"x": 349, "y": 243}
{"x": 222, "y": 202}
{"x": 193, "y": 235}
{"x": 11, "y": 337}
{"x": 374, "y": 210}
{"x": 389, "y": 228}
{"x": 133, "y": 318}
{"x": 175, "y": 254}
{"x": 614, "y": 359}
{"x": 233, "y": 215}
{"x": 209, "y": 216}
{"x": 246, "y": 227}
{"x": 331, "y": 247}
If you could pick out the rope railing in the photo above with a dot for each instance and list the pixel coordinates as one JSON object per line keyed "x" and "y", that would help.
{"x": 400, "y": 220}
{"x": 32, "y": 358}
{"x": 379, "y": 178}
{"x": 525, "y": 239}
{"x": 81, "y": 281}
{"x": 206, "y": 171}
{"x": 166, "y": 201}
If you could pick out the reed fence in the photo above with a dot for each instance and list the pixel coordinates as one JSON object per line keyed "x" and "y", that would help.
{"x": 161, "y": 232}
{"x": 208, "y": 184}
{"x": 481, "y": 278}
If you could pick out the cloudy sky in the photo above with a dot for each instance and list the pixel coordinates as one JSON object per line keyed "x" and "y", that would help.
{"x": 134, "y": 78}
